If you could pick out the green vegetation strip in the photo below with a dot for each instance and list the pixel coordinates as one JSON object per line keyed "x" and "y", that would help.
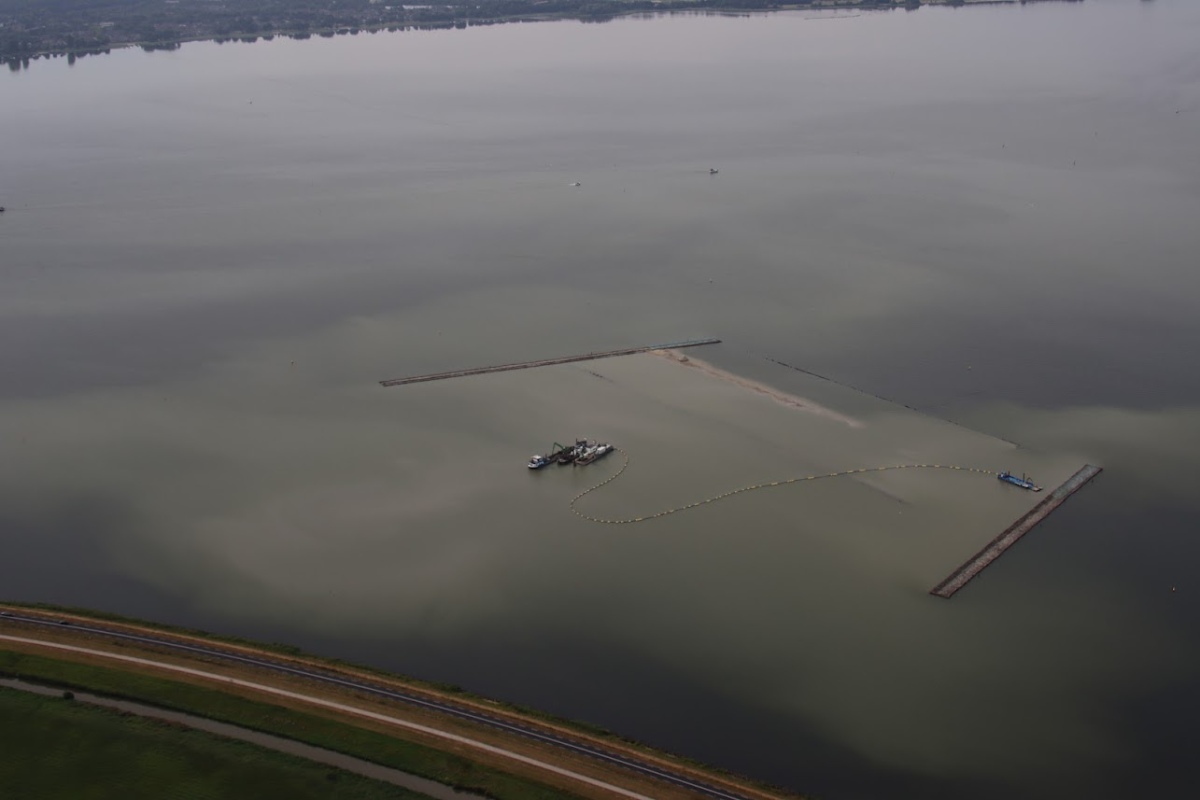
{"x": 379, "y": 748}
{"x": 296, "y": 652}
{"x": 52, "y": 748}
{"x": 456, "y": 691}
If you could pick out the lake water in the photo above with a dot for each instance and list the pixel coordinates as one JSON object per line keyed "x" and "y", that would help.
{"x": 989, "y": 214}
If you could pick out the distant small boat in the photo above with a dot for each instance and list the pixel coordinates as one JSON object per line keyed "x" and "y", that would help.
{"x": 577, "y": 183}
{"x": 712, "y": 171}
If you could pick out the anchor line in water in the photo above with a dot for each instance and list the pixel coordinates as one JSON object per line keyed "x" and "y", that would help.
{"x": 744, "y": 489}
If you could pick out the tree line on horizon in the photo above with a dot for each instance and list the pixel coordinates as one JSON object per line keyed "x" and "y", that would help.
{"x": 30, "y": 29}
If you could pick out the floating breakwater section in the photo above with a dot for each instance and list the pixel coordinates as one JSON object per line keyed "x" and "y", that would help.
{"x": 995, "y": 548}
{"x": 545, "y": 362}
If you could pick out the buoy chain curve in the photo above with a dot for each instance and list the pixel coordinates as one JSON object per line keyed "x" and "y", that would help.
{"x": 743, "y": 489}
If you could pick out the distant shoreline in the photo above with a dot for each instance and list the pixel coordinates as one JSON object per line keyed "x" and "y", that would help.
{"x": 31, "y": 33}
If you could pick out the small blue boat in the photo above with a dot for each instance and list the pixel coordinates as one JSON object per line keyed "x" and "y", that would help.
{"x": 1022, "y": 481}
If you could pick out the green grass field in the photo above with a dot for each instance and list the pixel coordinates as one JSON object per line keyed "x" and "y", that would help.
{"x": 376, "y": 747}
{"x": 55, "y": 748}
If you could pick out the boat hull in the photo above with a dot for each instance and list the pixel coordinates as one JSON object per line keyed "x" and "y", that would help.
{"x": 1023, "y": 483}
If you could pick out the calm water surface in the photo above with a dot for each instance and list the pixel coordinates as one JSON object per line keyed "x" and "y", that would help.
{"x": 989, "y": 214}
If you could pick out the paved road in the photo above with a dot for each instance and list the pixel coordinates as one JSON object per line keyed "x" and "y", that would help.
{"x": 614, "y": 758}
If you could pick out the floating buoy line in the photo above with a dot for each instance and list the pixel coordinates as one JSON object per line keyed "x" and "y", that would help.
{"x": 743, "y": 490}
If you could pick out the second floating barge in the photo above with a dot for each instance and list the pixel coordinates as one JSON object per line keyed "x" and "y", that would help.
{"x": 545, "y": 362}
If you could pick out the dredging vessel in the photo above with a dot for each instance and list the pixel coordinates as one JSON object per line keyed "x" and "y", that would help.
{"x": 593, "y": 453}
{"x": 581, "y": 453}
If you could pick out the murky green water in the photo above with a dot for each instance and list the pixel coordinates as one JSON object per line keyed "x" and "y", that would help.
{"x": 210, "y": 257}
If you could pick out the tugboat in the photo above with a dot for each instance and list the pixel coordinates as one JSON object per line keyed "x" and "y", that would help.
{"x": 1022, "y": 481}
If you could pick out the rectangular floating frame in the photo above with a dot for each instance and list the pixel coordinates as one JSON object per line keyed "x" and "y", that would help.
{"x": 546, "y": 362}
{"x": 995, "y": 548}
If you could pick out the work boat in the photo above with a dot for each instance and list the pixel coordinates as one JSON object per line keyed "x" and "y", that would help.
{"x": 537, "y": 462}
{"x": 603, "y": 450}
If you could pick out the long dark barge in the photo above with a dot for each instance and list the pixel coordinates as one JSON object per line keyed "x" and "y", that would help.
{"x": 995, "y": 548}
{"x": 546, "y": 362}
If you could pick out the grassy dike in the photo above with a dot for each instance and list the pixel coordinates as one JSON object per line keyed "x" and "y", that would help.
{"x": 293, "y": 651}
{"x": 449, "y": 766}
{"x": 416, "y": 759}
{"x": 452, "y": 691}
{"x": 51, "y": 747}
